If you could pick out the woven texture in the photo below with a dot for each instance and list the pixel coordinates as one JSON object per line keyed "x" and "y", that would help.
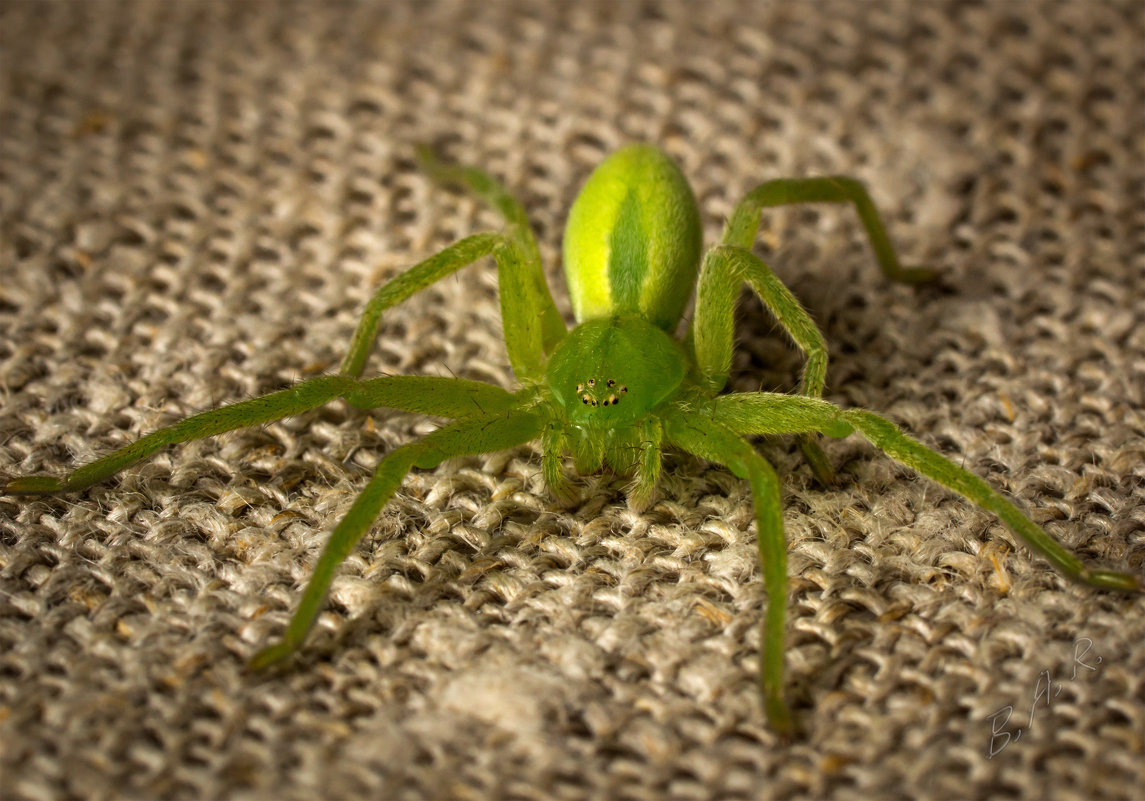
{"x": 197, "y": 198}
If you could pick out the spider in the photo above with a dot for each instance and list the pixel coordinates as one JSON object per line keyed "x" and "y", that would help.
{"x": 619, "y": 386}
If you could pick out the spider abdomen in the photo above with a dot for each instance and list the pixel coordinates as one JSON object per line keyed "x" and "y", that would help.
{"x": 633, "y": 239}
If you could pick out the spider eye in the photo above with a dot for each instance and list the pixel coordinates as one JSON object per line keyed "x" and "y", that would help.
{"x": 611, "y": 383}
{"x": 592, "y": 382}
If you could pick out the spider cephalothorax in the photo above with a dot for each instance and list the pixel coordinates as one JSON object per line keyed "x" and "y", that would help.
{"x": 619, "y": 386}
{"x": 614, "y": 370}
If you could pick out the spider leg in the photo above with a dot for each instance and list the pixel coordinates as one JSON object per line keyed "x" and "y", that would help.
{"x": 741, "y": 228}
{"x": 554, "y": 441}
{"x": 702, "y": 436}
{"x": 587, "y": 445}
{"x": 740, "y": 232}
{"x": 532, "y": 324}
{"x": 776, "y": 413}
{"x": 473, "y": 435}
{"x": 725, "y": 268}
{"x": 712, "y": 433}
{"x": 444, "y": 397}
{"x": 648, "y": 464}
{"x": 489, "y": 189}
{"x": 519, "y": 300}
{"x": 453, "y": 398}
{"x": 886, "y": 436}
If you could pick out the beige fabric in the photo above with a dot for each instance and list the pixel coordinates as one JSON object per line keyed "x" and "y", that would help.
{"x": 195, "y": 200}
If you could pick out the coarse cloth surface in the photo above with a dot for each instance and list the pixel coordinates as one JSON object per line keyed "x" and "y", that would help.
{"x": 197, "y": 198}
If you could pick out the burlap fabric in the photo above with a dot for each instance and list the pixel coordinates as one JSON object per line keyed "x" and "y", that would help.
{"x": 198, "y": 197}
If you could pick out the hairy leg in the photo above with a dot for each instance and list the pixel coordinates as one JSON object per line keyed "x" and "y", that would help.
{"x": 587, "y": 445}
{"x": 517, "y": 228}
{"x": 554, "y": 443}
{"x": 725, "y": 269}
{"x": 712, "y": 435}
{"x": 741, "y": 228}
{"x": 444, "y": 397}
{"x": 740, "y": 232}
{"x": 520, "y": 301}
{"x": 453, "y": 398}
{"x": 477, "y": 435}
{"x": 648, "y": 464}
{"x": 886, "y": 436}
{"x": 777, "y": 413}
{"x": 704, "y": 437}
{"x": 773, "y": 413}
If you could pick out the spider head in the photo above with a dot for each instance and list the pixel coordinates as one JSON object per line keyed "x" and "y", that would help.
{"x": 612, "y": 371}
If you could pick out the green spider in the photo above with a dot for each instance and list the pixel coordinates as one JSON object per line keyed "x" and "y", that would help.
{"x": 619, "y": 386}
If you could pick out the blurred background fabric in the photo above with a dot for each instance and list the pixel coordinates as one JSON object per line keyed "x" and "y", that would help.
{"x": 196, "y": 198}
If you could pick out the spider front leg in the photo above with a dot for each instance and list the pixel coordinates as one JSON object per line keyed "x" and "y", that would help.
{"x": 481, "y": 434}
{"x": 520, "y": 299}
{"x": 739, "y": 233}
{"x": 771, "y": 413}
{"x": 714, "y": 434}
{"x": 492, "y": 421}
{"x": 724, "y": 271}
{"x": 704, "y": 437}
{"x": 741, "y": 228}
{"x": 532, "y": 324}
{"x": 442, "y": 397}
{"x": 885, "y": 435}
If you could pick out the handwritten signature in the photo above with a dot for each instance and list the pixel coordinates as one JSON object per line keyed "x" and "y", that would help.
{"x": 1045, "y": 690}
